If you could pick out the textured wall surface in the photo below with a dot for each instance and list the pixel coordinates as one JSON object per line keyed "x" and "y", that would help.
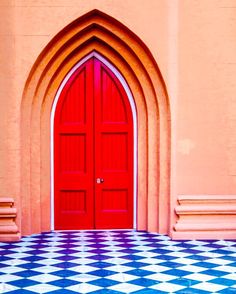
{"x": 194, "y": 45}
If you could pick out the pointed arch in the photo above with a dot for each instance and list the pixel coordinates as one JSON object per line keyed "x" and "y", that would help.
{"x": 96, "y": 32}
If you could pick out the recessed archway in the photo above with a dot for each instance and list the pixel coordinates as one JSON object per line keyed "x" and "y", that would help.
{"x": 120, "y": 214}
{"x": 98, "y": 32}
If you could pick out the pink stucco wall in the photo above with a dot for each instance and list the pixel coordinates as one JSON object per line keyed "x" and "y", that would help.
{"x": 194, "y": 45}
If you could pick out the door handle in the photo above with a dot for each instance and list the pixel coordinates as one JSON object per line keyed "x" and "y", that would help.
{"x": 99, "y": 180}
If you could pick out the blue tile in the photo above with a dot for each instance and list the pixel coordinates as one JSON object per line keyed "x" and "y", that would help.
{"x": 149, "y": 291}
{"x": 65, "y": 273}
{"x": 104, "y": 282}
{"x": 62, "y": 291}
{"x": 33, "y": 258}
{"x": 225, "y": 282}
{"x": 220, "y": 251}
{"x": 63, "y": 283}
{"x": 192, "y": 291}
{"x": 30, "y": 265}
{"x": 102, "y": 273}
{"x": 212, "y": 272}
{"x": 139, "y": 272}
{"x": 144, "y": 282}
{"x": 160, "y": 251}
{"x": 100, "y": 264}
{"x": 23, "y": 283}
{"x": 106, "y": 291}
{"x": 65, "y": 264}
{"x": 136, "y": 264}
{"x": 132, "y": 257}
{"x": 27, "y": 273}
{"x": 100, "y": 257}
{"x": 171, "y": 264}
{"x": 177, "y": 273}
{"x": 20, "y": 291}
{"x": 228, "y": 291}
{"x": 206, "y": 264}
{"x": 184, "y": 282}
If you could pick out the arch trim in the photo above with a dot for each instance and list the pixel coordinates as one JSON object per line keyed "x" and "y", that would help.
{"x": 134, "y": 115}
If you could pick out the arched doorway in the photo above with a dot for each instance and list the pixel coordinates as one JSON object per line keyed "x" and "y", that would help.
{"x": 97, "y": 32}
{"x": 93, "y": 146}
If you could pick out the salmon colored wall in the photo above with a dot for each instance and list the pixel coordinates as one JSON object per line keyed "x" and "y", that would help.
{"x": 194, "y": 45}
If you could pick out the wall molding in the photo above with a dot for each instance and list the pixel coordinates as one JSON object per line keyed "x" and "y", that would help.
{"x": 205, "y": 217}
{"x": 8, "y": 228}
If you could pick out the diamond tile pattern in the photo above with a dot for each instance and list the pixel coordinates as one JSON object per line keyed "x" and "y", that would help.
{"x": 116, "y": 262}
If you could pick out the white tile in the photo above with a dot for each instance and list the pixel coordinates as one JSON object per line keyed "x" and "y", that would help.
{"x": 184, "y": 260}
{"x": 82, "y": 261}
{"x": 11, "y": 270}
{"x": 44, "y": 278}
{"x": 225, "y": 243}
{"x": 18, "y": 255}
{"x": 122, "y": 277}
{"x": 48, "y": 261}
{"x": 83, "y": 278}
{"x": 114, "y": 248}
{"x": 115, "y": 254}
{"x": 20, "y": 249}
{"x": 111, "y": 243}
{"x": 210, "y": 254}
{"x": 195, "y": 242}
{"x": 42, "y": 288}
{"x": 140, "y": 242}
{"x": 125, "y": 287}
{"x": 160, "y": 277}
{"x": 82, "y": 254}
{"x": 50, "y": 255}
{"x": 83, "y": 288}
{"x": 14, "y": 262}
{"x": 51, "y": 249}
{"x": 169, "y": 243}
{"x": 147, "y": 254}
{"x": 151, "y": 260}
{"x": 9, "y": 278}
{"x": 117, "y": 260}
{"x": 199, "y": 277}
{"x": 119, "y": 268}
{"x": 179, "y": 254}
{"x": 219, "y": 261}
{"x": 173, "y": 248}
{"x": 192, "y": 268}
{"x": 83, "y": 268}
{"x": 144, "y": 248}
{"x": 167, "y": 287}
{"x": 4, "y": 288}
{"x": 155, "y": 268}
{"x": 47, "y": 269}
{"x": 230, "y": 276}
{"x": 203, "y": 248}
{"x": 226, "y": 268}
{"x": 209, "y": 287}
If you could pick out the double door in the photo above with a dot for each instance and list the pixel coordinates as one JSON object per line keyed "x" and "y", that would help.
{"x": 93, "y": 151}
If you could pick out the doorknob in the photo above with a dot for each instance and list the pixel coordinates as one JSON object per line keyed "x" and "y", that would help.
{"x": 99, "y": 180}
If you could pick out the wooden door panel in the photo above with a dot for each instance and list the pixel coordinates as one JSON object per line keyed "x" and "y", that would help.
{"x": 73, "y": 152}
{"x": 113, "y": 157}
{"x": 93, "y": 135}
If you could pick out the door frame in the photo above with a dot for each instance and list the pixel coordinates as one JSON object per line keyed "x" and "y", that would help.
{"x": 135, "y": 131}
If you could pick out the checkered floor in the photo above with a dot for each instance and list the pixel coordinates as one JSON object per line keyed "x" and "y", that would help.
{"x": 116, "y": 262}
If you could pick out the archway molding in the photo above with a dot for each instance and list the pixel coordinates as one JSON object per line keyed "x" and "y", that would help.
{"x": 96, "y": 32}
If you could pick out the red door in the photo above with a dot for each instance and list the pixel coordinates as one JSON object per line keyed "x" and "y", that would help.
{"x": 93, "y": 152}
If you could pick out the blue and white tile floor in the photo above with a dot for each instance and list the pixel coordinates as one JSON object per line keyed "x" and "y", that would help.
{"x": 116, "y": 262}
